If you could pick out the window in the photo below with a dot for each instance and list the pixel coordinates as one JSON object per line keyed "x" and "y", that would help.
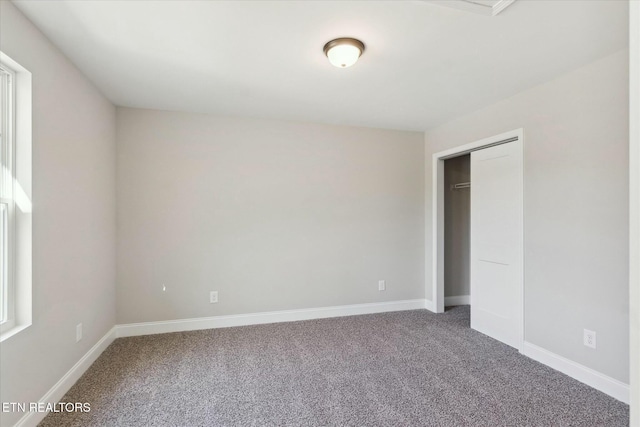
{"x": 7, "y": 204}
{"x": 15, "y": 198}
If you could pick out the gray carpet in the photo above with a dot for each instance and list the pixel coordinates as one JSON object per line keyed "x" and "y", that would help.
{"x": 409, "y": 368}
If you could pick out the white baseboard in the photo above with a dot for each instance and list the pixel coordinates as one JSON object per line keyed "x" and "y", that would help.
{"x": 55, "y": 394}
{"x": 588, "y": 376}
{"x": 457, "y": 300}
{"x": 180, "y": 325}
{"x": 428, "y": 304}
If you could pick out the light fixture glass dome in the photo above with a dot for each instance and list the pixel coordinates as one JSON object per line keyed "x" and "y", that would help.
{"x": 343, "y": 52}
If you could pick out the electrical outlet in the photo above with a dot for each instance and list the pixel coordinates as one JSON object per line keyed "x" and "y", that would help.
{"x": 213, "y": 297}
{"x": 382, "y": 285}
{"x": 78, "y": 332}
{"x": 589, "y": 338}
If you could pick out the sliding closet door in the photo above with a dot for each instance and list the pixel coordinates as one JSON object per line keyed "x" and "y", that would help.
{"x": 496, "y": 242}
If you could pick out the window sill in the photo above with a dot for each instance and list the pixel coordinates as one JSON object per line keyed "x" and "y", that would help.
{"x": 13, "y": 331}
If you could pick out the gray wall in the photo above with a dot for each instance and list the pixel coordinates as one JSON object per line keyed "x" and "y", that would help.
{"x": 273, "y": 215}
{"x": 576, "y": 131}
{"x": 634, "y": 208}
{"x": 73, "y": 217}
{"x": 457, "y": 211}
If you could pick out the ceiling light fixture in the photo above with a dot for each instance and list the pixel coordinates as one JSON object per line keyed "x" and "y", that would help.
{"x": 343, "y": 52}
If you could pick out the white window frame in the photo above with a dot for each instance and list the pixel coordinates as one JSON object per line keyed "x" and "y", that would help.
{"x": 7, "y": 153}
{"x": 15, "y": 186}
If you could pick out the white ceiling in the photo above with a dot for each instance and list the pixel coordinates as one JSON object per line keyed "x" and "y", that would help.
{"x": 424, "y": 64}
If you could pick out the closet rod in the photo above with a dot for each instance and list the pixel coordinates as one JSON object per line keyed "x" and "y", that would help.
{"x": 461, "y": 185}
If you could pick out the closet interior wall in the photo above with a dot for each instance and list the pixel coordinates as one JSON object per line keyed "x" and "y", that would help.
{"x": 457, "y": 232}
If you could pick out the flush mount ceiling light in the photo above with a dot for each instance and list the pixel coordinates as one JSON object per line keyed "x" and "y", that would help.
{"x": 343, "y": 52}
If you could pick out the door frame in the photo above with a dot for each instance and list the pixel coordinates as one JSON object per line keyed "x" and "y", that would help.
{"x": 438, "y": 191}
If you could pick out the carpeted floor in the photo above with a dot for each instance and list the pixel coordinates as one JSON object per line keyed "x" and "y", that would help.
{"x": 409, "y": 368}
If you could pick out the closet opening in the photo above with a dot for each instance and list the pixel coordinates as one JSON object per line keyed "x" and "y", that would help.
{"x": 457, "y": 200}
{"x": 478, "y": 234}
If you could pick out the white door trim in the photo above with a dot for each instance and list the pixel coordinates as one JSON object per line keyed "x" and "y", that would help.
{"x": 634, "y": 207}
{"x": 437, "y": 296}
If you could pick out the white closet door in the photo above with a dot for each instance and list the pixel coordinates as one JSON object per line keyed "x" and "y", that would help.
{"x": 496, "y": 242}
